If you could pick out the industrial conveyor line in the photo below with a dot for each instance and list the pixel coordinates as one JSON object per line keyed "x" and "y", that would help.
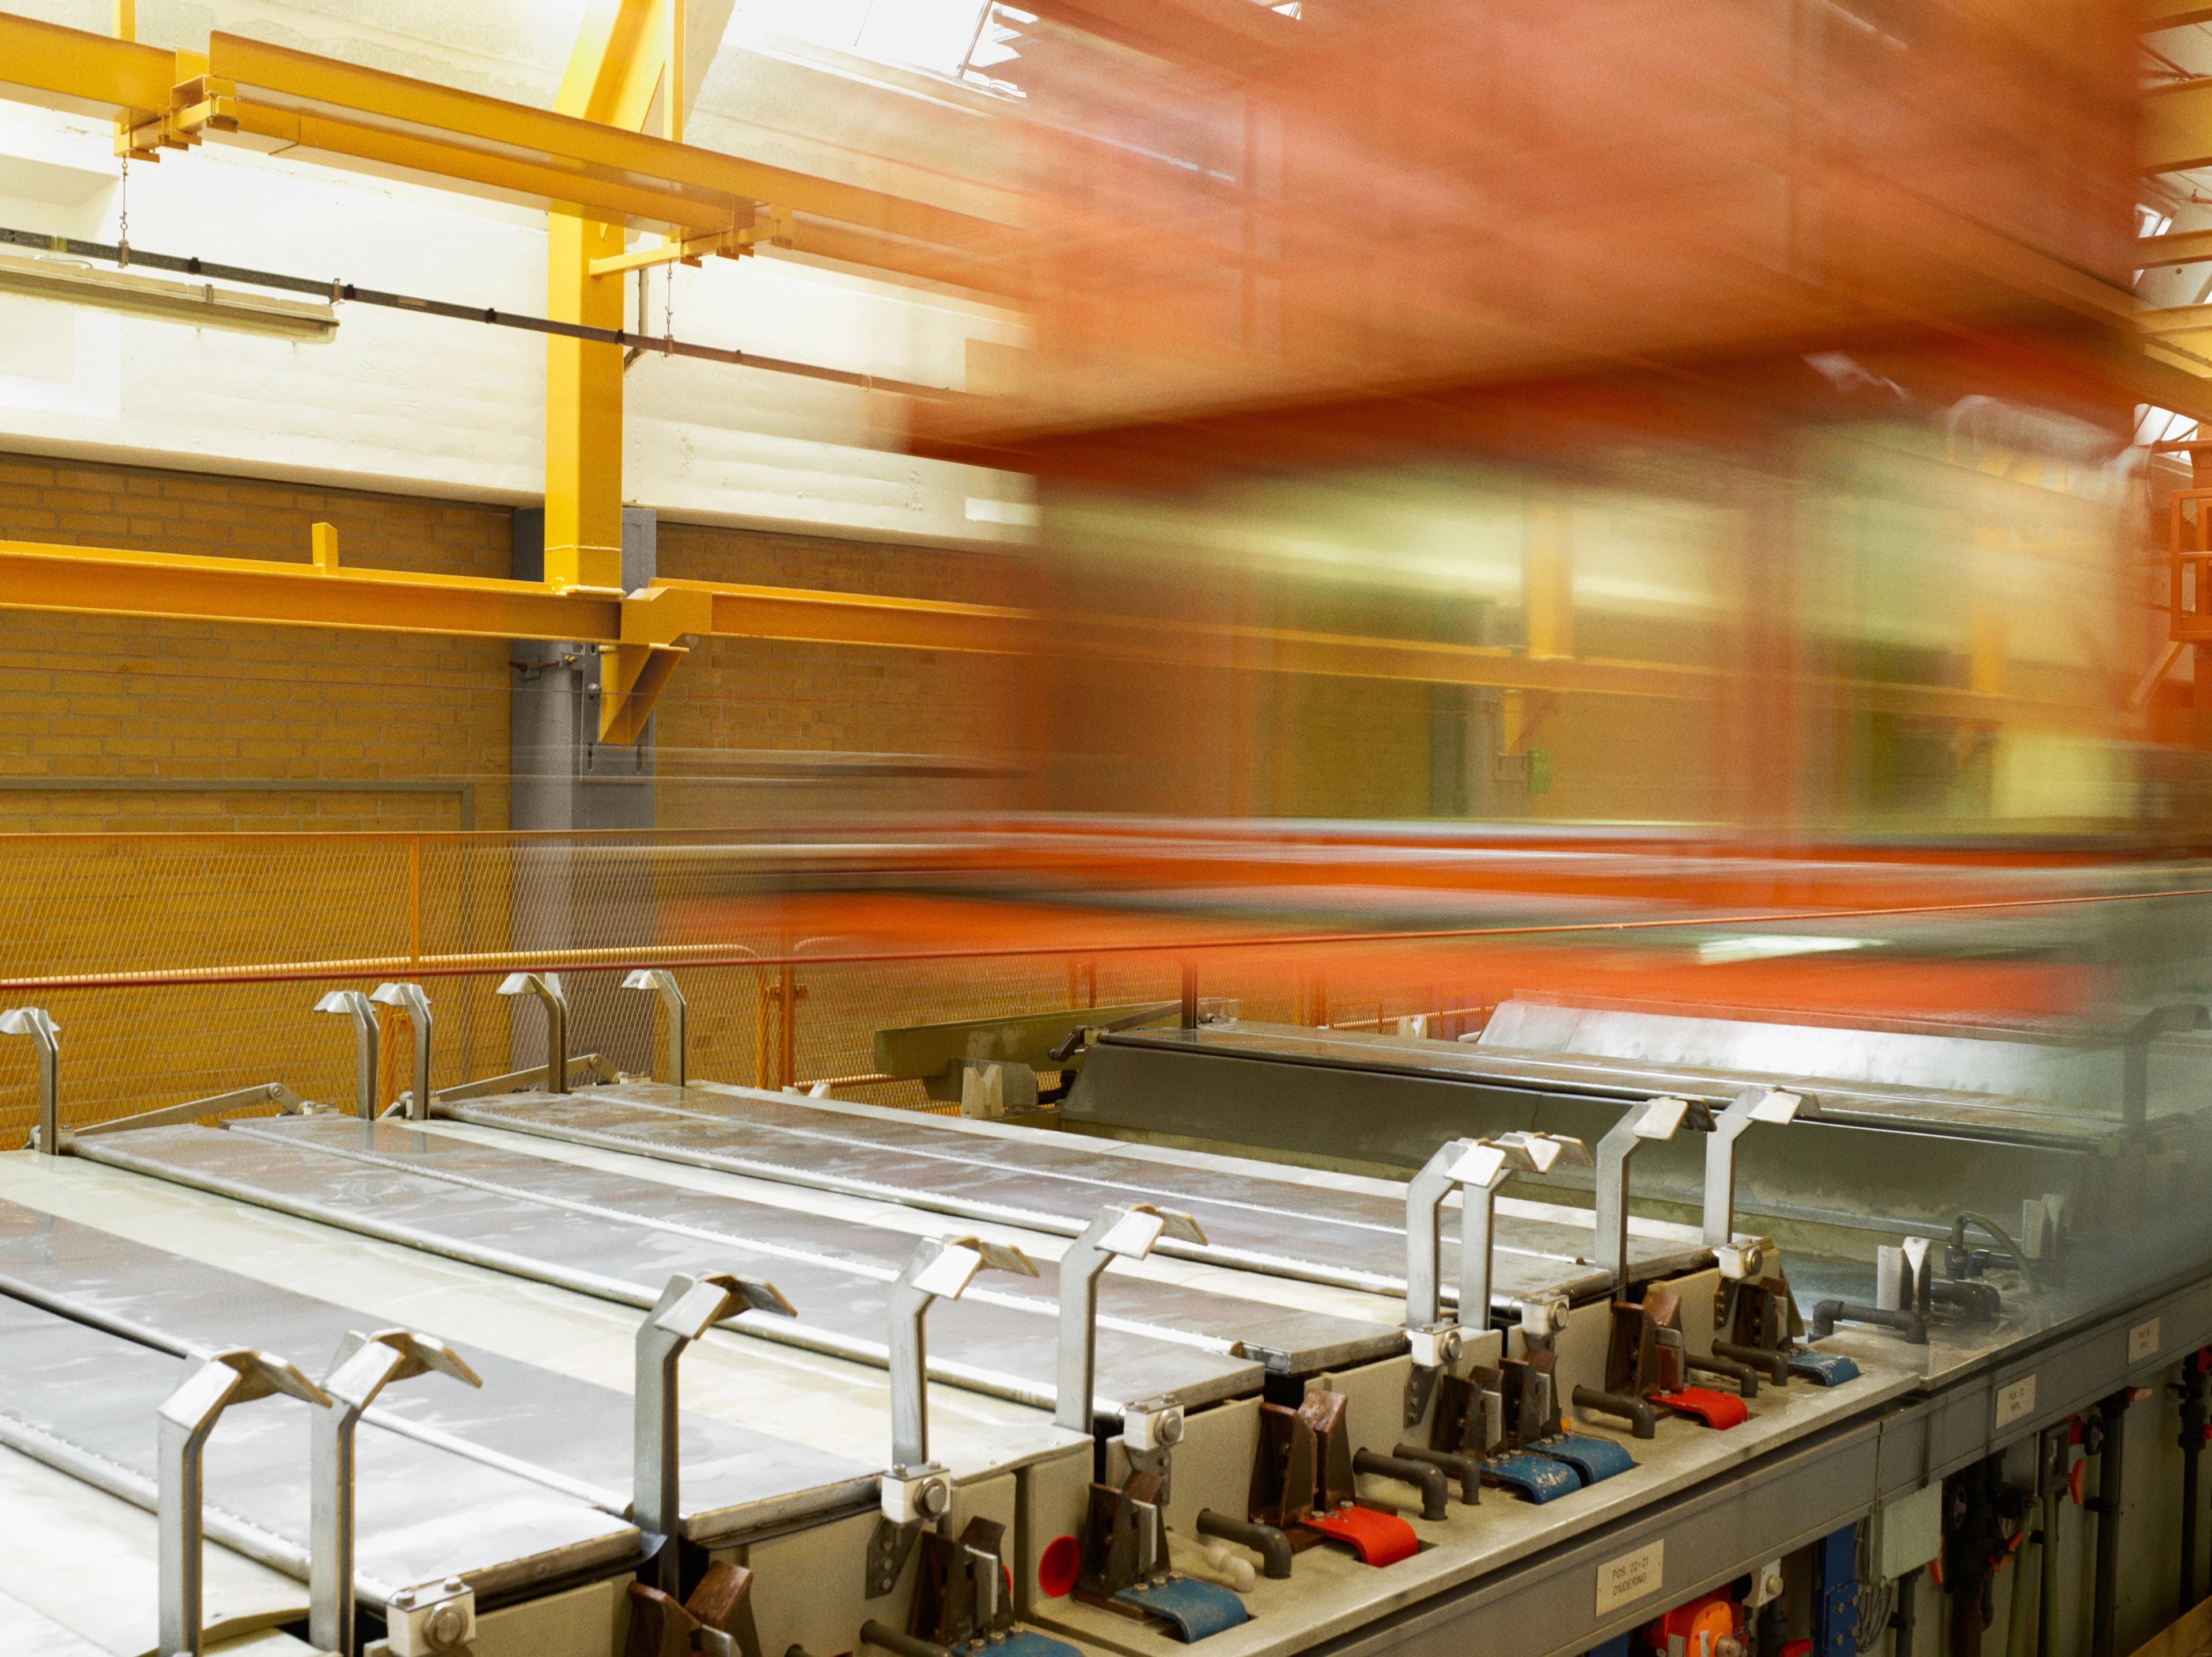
{"x": 735, "y": 1479}
{"x": 621, "y": 1239}
{"x": 1620, "y": 1080}
{"x": 1281, "y": 1225}
{"x": 84, "y": 1402}
{"x": 1896, "y": 1160}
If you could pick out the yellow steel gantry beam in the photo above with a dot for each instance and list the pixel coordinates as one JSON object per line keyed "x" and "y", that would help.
{"x": 2177, "y": 127}
{"x": 644, "y": 628}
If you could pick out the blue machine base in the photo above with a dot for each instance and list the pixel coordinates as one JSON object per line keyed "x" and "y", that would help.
{"x": 1594, "y": 1459}
{"x": 1538, "y": 1477}
{"x": 1828, "y": 1368}
{"x": 1192, "y": 1609}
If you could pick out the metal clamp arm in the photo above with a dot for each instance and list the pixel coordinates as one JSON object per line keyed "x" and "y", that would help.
{"x": 672, "y": 998}
{"x": 45, "y": 1034}
{"x": 1654, "y": 1119}
{"x": 1129, "y": 1231}
{"x": 1424, "y": 1204}
{"x": 415, "y": 1006}
{"x": 941, "y": 1268}
{"x": 547, "y": 988}
{"x": 367, "y": 1037}
{"x": 2135, "y": 1064}
{"x": 687, "y": 1308}
{"x": 185, "y": 1419}
{"x": 1760, "y": 1104}
{"x": 1524, "y": 1153}
{"x": 364, "y": 1366}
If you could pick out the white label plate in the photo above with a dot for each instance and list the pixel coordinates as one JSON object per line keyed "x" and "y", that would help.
{"x": 1623, "y": 1580}
{"x": 2015, "y": 1402}
{"x": 2143, "y": 1341}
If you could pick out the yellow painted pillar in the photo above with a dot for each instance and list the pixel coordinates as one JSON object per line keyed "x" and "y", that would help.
{"x": 583, "y": 408}
{"x": 622, "y": 54}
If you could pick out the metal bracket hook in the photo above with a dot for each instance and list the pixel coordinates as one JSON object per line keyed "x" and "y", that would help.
{"x": 364, "y": 1366}
{"x": 672, "y": 998}
{"x": 546, "y": 986}
{"x": 1129, "y": 1231}
{"x": 415, "y": 1006}
{"x": 366, "y": 1035}
{"x": 45, "y": 1034}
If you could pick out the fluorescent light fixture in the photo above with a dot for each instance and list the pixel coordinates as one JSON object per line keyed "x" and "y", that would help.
{"x": 201, "y": 305}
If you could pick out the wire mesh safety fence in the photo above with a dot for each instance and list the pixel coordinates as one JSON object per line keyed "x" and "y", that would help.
{"x": 259, "y": 927}
{"x": 181, "y": 967}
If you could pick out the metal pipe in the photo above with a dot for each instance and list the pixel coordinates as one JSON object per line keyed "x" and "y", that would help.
{"x": 1654, "y": 1119}
{"x": 546, "y": 986}
{"x": 415, "y": 1006}
{"x": 1270, "y": 1543}
{"x": 1636, "y": 1409}
{"x": 1464, "y": 1468}
{"x": 687, "y": 1308}
{"x": 1760, "y": 1104}
{"x": 671, "y": 1000}
{"x": 1828, "y": 1314}
{"x": 1129, "y": 1232}
{"x": 367, "y": 1039}
{"x": 1435, "y": 1488}
{"x": 1777, "y": 1364}
{"x": 1745, "y": 1377}
{"x": 2111, "y": 1415}
{"x": 364, "y": 1365}
{"x": 45, "y": 1035}
{"x": 1967, "y": 1217}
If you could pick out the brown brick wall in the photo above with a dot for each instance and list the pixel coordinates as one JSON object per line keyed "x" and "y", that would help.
{"x": 108, "y": 697}
{"x": 752, "y": 694}
{"x": 111, "y": 698}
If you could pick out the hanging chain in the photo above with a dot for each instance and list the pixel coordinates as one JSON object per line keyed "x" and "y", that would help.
{"x": 123, "y": 231}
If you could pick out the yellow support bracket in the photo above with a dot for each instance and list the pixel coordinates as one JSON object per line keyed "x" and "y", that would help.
{"x": 635, "y": 672}
{"x": 671, "y": 253}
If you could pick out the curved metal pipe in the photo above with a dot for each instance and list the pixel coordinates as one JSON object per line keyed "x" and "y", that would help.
{"x": 1776, "y": 1364}
{"x": 1828, "y": 1314}
{"x": 1270, "y": 1543}
{"x": 1464, "y": 1468}
{"x": 1636, "y": 1410}
{"x": 1435, "y": 1488}
{"x": 1745, "y": 1377}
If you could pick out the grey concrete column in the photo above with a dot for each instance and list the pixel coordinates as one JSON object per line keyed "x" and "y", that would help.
{"x": 568, "y": 895}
